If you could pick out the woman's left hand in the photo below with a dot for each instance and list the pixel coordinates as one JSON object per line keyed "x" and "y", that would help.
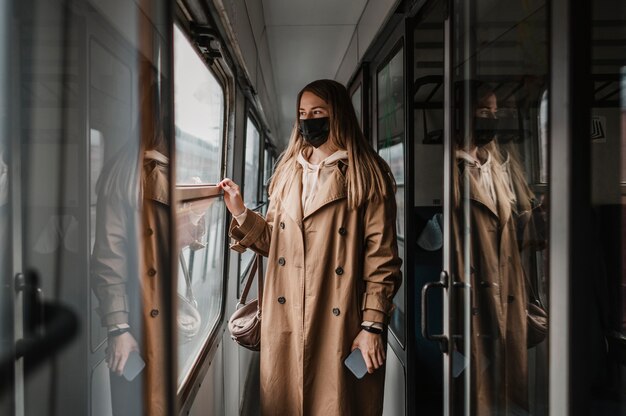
{"x": 371, "y": 346}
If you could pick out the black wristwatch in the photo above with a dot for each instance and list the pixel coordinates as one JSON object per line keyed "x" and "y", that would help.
{"x": 372, "y": 329}
{"x": 118, "y": 331}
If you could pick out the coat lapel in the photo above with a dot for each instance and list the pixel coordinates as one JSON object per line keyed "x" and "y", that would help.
{"x": 476, "y": 193}
{"x": 291, "y": 197}
{"x": 333, "y": 189}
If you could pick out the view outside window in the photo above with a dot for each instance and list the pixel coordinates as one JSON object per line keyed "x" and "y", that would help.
{"x": 251, "y": 178}
{"x": 199, "y": 117}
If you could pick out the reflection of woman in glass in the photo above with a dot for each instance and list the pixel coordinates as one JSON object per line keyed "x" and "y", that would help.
{"x": 333, "y": 264}
{"x": 484, "y": 228}
{"x": 129, "y": 261}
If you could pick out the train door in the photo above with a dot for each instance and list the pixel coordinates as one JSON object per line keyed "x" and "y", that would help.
{"x": 75, "y": 75}
{"x": 496, "y": 215}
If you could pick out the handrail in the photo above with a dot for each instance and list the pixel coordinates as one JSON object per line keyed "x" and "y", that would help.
{"x": 258, "y": 207}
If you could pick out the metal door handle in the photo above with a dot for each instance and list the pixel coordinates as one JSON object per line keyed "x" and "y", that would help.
{"x": 48, "y": 326}
{"x": 442, "y": 283}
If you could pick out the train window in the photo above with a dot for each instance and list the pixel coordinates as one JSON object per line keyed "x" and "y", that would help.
{"x": 268, "y": 167}
{"x": 390, "y": 113}
{"x": 357, "y": 103}
{"x": 251, "y": 177}
{"x": 499, "y": 208}
{"x": 199, "y": 120}
{"x": 252, "y": 163}
{"x": 199, "y": 117}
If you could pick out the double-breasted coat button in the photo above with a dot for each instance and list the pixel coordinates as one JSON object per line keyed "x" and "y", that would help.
{"x": 281, "y": 261}
{"x": 336, "y": 311}
{"x": 510, "y": 298}
{"x": 150, "y": 231}
{"x": 281, "y": 300}
{"x": 343, "y": 231}
{"x": 282, "y": 225}
{"x": 474, "y": 311}
{"x": 151, "y": 272}
{"x": 154, "y": 313}
{"x": 339, "y": 270}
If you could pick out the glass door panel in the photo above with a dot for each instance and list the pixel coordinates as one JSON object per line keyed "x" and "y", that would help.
{"x": 499, "y": 184}
{"x": 607, "y": 329}
{"x": 427, "y": 158}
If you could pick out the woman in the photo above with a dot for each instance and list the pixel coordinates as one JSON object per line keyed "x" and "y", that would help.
{"x": 129, "y": 259}
{"x": 333, "y": 264}
{"x": 485, "y": 211}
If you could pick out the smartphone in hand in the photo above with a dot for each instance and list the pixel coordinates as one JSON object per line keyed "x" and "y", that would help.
{"x": 356, "y": 363}
{"x": 133, "y": 366}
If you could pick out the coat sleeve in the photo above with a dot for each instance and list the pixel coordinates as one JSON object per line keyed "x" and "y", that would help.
{"x": 255, "y": 233}
{"x": 381, "y": 269}
{"x": 110, "y": 263}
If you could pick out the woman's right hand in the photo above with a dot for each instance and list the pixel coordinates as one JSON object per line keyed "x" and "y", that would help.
{"x": 232, "y": 197}
{"x": 117, "y": 351}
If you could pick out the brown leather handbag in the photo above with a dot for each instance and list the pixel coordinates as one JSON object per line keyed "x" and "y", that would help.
{"x": 536, "y": 317}
{"x": 245, "y": 323}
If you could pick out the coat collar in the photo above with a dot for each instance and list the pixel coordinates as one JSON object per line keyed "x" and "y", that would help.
{"x": 333, "y": 190}
{"x": 501, "y": 209}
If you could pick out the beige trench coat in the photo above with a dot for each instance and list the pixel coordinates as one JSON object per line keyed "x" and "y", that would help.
{"x": 327, "y": 271}
{"x": 499, "y": 374}
{"x": 129, "y": 261}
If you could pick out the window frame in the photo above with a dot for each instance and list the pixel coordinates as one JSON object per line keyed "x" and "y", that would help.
{"x": 260, "y": 203}
{"x": 219, "y": 69}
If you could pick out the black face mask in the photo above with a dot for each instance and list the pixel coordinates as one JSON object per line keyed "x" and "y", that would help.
{"x": 508, "y": 130}
{"x": 315, "y": 130}
{"x": 484, "y": 130}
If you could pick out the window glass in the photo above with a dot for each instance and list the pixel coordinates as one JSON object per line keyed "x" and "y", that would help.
{"x": 357, "y": 104}
{"x": 199, "y": 117}
{"x": 390, "y": 110}
{"x": 251, "y": 177}
{"x": 499, "y": 212}
{"x": 200, "y": 283}
{"x": 199, "y": 112}
{"x": 268, "y": 168}
{"x": 427, "y": 214}
{"x": 607, "y": 327}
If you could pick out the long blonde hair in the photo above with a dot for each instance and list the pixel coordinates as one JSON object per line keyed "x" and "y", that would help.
{"x": 368, "y": 176}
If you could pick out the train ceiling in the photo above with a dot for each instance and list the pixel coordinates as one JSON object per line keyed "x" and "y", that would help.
{"x": 307, "y": 41}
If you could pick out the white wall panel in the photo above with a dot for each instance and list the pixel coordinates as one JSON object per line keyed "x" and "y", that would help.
{"x": 210, "y": 397}
{"x": 350, "y": 61}
{"x": 375, "y": 14}
{"x": 395, "y": 400}
{"x": 245, "y": 36}
{"x": 257, "y": 20}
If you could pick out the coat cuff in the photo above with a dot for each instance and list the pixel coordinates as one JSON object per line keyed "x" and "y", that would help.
{"x": 376, "y": 308}
{"x": 248, "y": 232}
{"x": 115, "y": 318}
{"x": 110, "y": 305}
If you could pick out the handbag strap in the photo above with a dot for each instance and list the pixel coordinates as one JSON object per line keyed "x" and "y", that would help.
{"x": 188, "y": 291}
{"x": 255, "y": 269}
